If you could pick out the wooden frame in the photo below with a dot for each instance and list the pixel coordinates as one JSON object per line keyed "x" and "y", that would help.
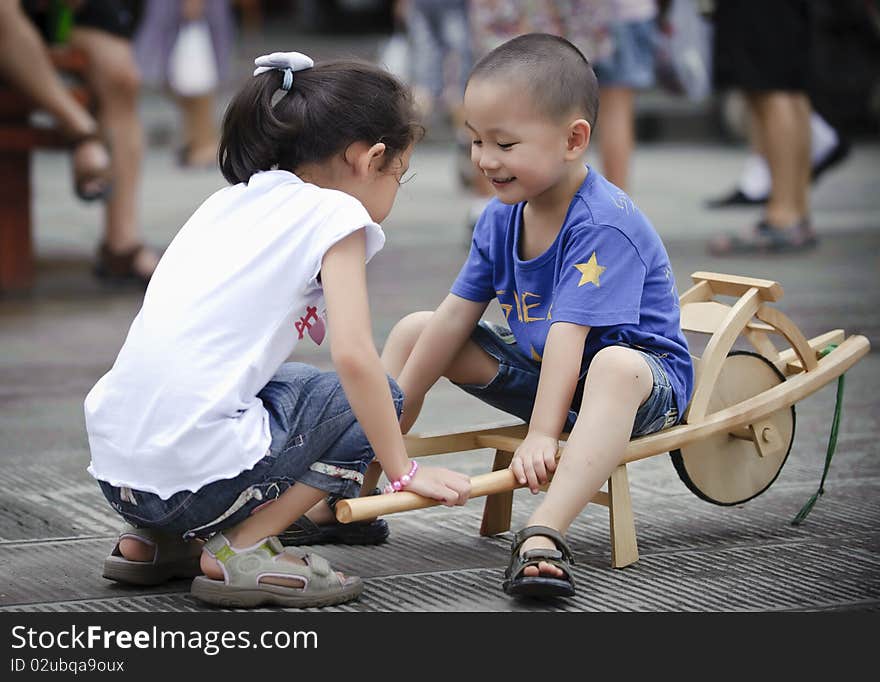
{"x": 749, "y": 317}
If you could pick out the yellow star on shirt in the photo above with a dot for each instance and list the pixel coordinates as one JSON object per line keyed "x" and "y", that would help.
{"x": 590, "y": 271}
{"x": 535, "y": 356}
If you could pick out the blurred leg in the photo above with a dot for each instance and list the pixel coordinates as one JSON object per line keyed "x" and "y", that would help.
{"x": 783, "y": 119}
{"x": 200, "y": 130}
{"x": 24, "y": 62}
{"x": 616, "y": 128}
{"x": 115, "y": 80}
{"x": 427, "y": 60}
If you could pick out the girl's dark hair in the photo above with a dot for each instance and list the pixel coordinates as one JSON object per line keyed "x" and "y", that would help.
{"x": 329, "y": 107}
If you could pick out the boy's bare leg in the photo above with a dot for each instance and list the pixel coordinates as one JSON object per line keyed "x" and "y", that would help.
{"x": 618, "y": 382}
{"x": 472, "y": 365}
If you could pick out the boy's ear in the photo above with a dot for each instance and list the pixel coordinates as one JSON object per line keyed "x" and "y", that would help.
{"x": 579, "y": 132}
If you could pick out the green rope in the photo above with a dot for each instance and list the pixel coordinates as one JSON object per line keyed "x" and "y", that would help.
{"x": 832, "y": 444}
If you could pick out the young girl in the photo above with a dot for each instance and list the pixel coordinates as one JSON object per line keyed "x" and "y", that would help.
{"x": 200, "y": 424}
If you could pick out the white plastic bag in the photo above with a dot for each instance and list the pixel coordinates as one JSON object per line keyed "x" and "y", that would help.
{"x": 394, "y": 55}
{"x": 192, "y": 68}
{"x": 684, "y": 51}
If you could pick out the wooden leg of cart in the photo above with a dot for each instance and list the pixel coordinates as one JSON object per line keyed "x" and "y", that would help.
{"x": 624, "y": 549}
{"x": 498, "y": 507}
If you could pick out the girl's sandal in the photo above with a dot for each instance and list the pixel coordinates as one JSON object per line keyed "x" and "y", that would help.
{"x": 518, "y": 584}
{"x": 173, "y": 557}
{"x": 90, "y": 183}
{"x": 245, "y": 569}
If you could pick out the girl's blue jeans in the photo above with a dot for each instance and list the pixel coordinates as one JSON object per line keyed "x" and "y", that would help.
{"x": 316, "y": 440}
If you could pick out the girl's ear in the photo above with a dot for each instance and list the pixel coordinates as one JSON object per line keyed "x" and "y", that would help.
{"x": 363, "y": 159}
{"x": 578, "y": 139}
{"x": 376, "y": 156}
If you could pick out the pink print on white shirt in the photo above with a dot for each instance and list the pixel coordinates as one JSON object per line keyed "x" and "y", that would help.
{"x": 313, "y": 323}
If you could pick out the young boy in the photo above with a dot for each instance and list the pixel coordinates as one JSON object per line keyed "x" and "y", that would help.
{"x": 595, "y": 346}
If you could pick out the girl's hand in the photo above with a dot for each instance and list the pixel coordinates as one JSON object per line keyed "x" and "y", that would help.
{"x": 449, "y": 487}
{"x": 534, "y": 460}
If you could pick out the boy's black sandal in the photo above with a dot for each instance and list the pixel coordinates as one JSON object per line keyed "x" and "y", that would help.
{"x": 304, "y": 531}
{"x": 515, "y": 583}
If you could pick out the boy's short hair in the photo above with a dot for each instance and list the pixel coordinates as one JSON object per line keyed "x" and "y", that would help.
{"x": 559, "y": 77}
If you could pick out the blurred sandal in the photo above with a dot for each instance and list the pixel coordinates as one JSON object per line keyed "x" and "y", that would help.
{"x": 766, "y": 239}
{"x": 134, "y": 265}
{"x": 91, "y": 167}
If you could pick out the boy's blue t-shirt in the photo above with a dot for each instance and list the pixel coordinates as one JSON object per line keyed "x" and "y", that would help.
{"x": 607, "y": 269}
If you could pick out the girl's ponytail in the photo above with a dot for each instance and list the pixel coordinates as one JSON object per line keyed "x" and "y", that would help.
{"x": 249, "y": 142}
{"x": 327, "y": 108}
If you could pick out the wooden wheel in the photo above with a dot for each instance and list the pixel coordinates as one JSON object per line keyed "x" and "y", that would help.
{"x": 732, "y": 468}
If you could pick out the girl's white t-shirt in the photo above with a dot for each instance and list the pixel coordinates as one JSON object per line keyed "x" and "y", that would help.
{"x": 234, "y": 293}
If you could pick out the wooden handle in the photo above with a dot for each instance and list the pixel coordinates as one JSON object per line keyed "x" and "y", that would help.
{"x": 360, "y": 508}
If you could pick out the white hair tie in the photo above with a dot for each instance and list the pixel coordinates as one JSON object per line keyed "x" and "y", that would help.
{"x": 283, "y": 61}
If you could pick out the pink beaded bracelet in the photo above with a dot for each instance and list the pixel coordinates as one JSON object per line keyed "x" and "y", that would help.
{"x": 397, "y": 486}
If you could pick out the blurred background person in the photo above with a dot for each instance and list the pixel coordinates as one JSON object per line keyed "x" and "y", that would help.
{"x": 102, "y": 30}
{"x": 619, "y": 39}
{"x": 623, "y": 68}
{"x": 440, "y": 47}
{"x": 763, "y": 49}
{"x": 184, "y": 46}
{"x": 25, "y": 64}
{"x": 828, "y": 148}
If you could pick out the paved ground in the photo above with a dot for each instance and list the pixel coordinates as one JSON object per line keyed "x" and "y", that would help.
{"x": 55, "y": 527}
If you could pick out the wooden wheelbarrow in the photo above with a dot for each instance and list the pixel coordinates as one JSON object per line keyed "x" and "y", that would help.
{"x": 737, "y": 431}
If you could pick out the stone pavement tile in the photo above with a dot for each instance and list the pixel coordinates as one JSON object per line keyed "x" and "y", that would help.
{"x": 694, "y": 556}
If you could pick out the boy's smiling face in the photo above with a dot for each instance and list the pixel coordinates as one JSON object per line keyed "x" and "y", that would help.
{"x": 521, "y": 151}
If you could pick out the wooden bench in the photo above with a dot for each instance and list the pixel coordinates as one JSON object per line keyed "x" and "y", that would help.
{"x": 18, "y": 138}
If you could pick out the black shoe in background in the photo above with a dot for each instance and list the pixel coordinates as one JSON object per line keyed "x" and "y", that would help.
{"x": 735, "y": 198}
{"x": 835, "y": 156}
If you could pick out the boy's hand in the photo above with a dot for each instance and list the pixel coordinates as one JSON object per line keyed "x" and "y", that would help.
{"x": 534, "y": 460}
{"x": 449, "y": 487}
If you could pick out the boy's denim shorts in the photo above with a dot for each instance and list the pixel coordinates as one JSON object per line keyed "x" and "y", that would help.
{"x": 316, "y": 440}
{"x": 515, "y": 386}
{"x": 631, "y": 62}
